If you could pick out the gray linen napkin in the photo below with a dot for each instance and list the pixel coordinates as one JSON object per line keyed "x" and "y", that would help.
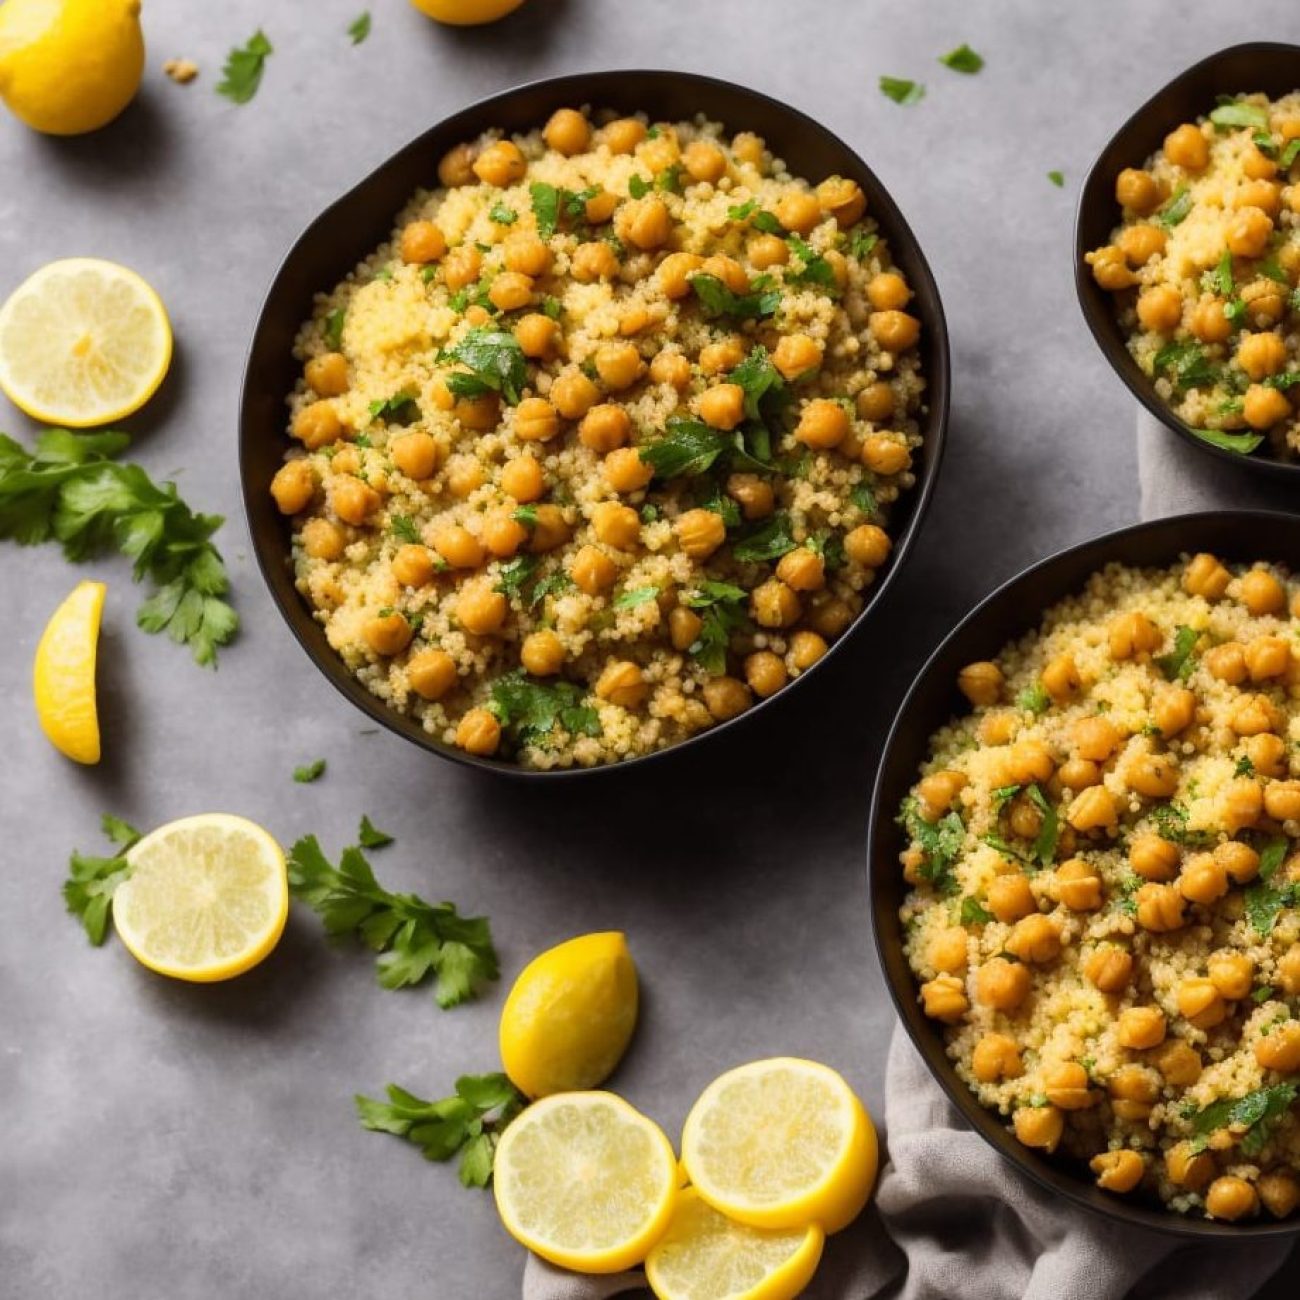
{"x": 950, "y": 1217}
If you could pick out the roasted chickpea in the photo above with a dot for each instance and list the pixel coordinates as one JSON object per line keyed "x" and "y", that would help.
{"x": 1187, "y": 147}
{"x": 623, "y": 683}
{"x": 460, "y": 267}
{"x": 293, "y": 487}
{"x": 1077, "y": 886}
{"x": 387, "y": 633}
{"x": 802, "y": 570}
{"x": 1024, "y": 817}
{"x": 1137, "y": 190}
{"x": 478, "y": 732}
{"x": 592, "y": 261}
{"x": 753, "y": 494}
{"x": 327, "y": 375}
{"x": 542, "y": 653}
{"x": 684, "y": 627}
{"x": 500, "y": 164}
{"x": 1029, "y": 761}
{"x": 884, "y": 454}
{"x": 1092, "y": 809}
{"x": 1132, "y": 634}
{"x": 806, "y": 648}
{"x": 536, "y": 420}
{"x": 798, "y": 211}
{"x": 843, "y": 199}
{"x": 317, "y": 426}
{"x": 773, "y": 604}
{"x": 605, "y": 427}
{"x": 1118, "y": 1171}
{"x": 623, "y": 135}
{"x": 644, "y": 223}
{"x": 635, "y": 318}
{"x": 353, "y": 501}
{"x": 1060, "y": 678}
{"x": 481, "y": 610}
{"x": 573, "y": 394}
{"x": 1139, "y": 1028}
{"x": 1160, "y": 308}
{"x": 1279, "y": 1191}
{"x": 422, "y": 242}
{"x": 1172, "y": 710}
{"x": 521, "y": 478}
{"x": 1227, "y": 662}
{"x": 479, "y": 413}
{"x": 1066, "y": 1086}
{"x": 722, "y": 406}
{"x": 502, "y": 533}
{"x": 995, "y": 1057}
{"x": 725, "y": 697}
{"x": 1230, "y": 1198}
{"x": 1205, "y": 576}
{"x": 413, "y": 565}
{"x": 895, "y": 331}
{"x": 464, "y": 475}
{"x": 551, "y": 529}
{"x": 765, "y": 673}
{"x": 1267, "y": 657}
{"x": 867, "y": 545}
{"x": 322, "y": 540}
{"x": 431, "y": 673}
{"x": 1002, "y": 984}
{"x": 1133, "y": 1090}
{"x": 1209, "y": 321}
{"x": 796, "y": 354}
{"x": 1248, "y": 232}
{"x": 1282, "y": 800}
{"x": 1253, "y": 714}
{"x": 725, "y": 354}
{"x": 1203, "y": 880}
{"x": 1141, "y": 243}
{"x": 625, "y": 471}
{"x": 699, "y": 532}
{"x": 661, "y": 150}
{"x": 526, "y": 255}
{"x": 981, "y": 683}
{"x": 936, "y": 792}
{"x": 1231, "y": 973}
{"x": 1035, "y": 939}
{"x": 674, "y": 274}
{"x": 456, "y": 167}
{"x": 459, "y": 547}
{"x": 619, "y": 365}
{"x": 1260, "y": 591}
{"x": 1095, "y": 738}
{"x": 944, "y": 998}
{"x": 593, "y": 570}
{"x": 1200, "y": 1003}
{"x": 876, "y": 402}
{"x": 671, "y": 368}
{"x": 600, "y": 207}
{"x": 1039, "y": 1126}
{"x": 1110, "y": 268}
{"x": 1152, "y": 775}
{"x": 510, "y": 291}
{"x": 1160, "y": 907}
{"x": 1188, "y": 1168}
{"x": 1079, "y": 774}
{"x": 1288, "y": 971}
{"x": 1179, "y": 1063}
{"x": 1010, "y": 898}
{"x": 830, "y": 616}
{"x": 767, "y": 250}
{"x": 1239, "y": 860}
{"x": 1109, "y": 968}
{"x": 704, "y": 161}
{"x": 616, "y": 525}
{"x": 567, "y": 132}
{"x": 417, "y": 455}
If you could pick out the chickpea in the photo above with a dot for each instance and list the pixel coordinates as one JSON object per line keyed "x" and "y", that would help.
{"x": 1035, "y": 939}
{"x": 459, "y": 547}
{"x": 1153, "y": 775}
{"x": 1249, "y": 232}
{"x": 1026, "y": 821}
{"x": 317, "y": 426}
{"x": 478, "y": 413}
{"x": 460, "y": 267}
{"x": 1179, "y": 1064}
{"x": 1203, "y": 880}
{"x": 1279, "y": 1191}
{"x": 764, "y": 251}
{"x": 726, "y": 698}
{"x": 1172, "y": 710}
{"x": 431, "y": 673}
{"x": 644, "y": 223}
{"x": 728, "y": 270}
{"x": 594, "y": 261}
{"x": 1241, "y": 804}
{"x": 567, "y": 132}
{"x": 1077, "y": 886}
{"x": 773, "y": 604}
{"x": 1109, "y": 968}
{"x": 521, "y": 478}
{"x": 765, "y": 673}
{"x": 936, "y": 792}
{"x": 671, "y": 368}
{"x": 981, "y": 683}
{"x": 752, "y": 493}
{"x": 726, "y": 354}
{"x": 503, "y": 534}
{"x": 1209, "y": 321}
{"x": 573, "y": 394}
{"x": 1267, "y": 657}
{"x": 605, "y": 427}
{"x": 623, "y": 135}
{"x": 500, "y": 164}
{"x": 353, "y": 501}
{"x": 1139, "y": 1028}
{"x": 895, "y": 331}
{"x": 1159, "y": 907}
{"x": 798, "y": 211}
{"x": 876, "y": 402}
{"x": 1061, "y": 679}
{"x": 748, "y": 148}
{"x": 867, "y": 545}
{"x": 1039, "y": 1127}
{"x": 625, "y": 471}
{"x": 551, "y": 529}
{"x": 1230, "y": 1198}
{"x": 619, "y": 365}
{"x": 1130, "y": 635}
{"x": 536, "y": 420}
{"x": 1066, "y": 1086}
{"x": 1187, "y": 1168}
{"x": 480, "y": 610}
{"x": 593, "y": 570}
{"x": 413, "y": 565}
{"x": 387, "y": 634}
{"x": 542, "y": 653}
{"x": 883, "y": 454}
{"x": 944, "y": 998}
{"x": 843, "y": 199}
{"x": 1282, "y": 800}
{"x": 829, "y": 617}
{"x": 422, "y": 242}
{"x": 699, "y": 532}
{"x": 1240, "y": 861}
{"x": 1227, "y": 662}
{"x": 1133, "y": 1090}
{"x": 802, "y": 570}
{"x": 1110, "y": 268}
{"x": 1253, "y": 714}
{"x": 1264, "y": 407}
{"x": 1118, "y": 1171}
{"x": 1002, "y": 984}
{"x": 1137, "y": 190}
{"x": 1160, "y": 308}
{"x": 1010, "y": 898}
{"x": 1092, "y": 809}
{"x": 1205, "y": 576}
{"x": 510, "y": 291}
{"x": 1095, "y": 738}
{"x": 322, "y": 540}
{"x": 796, "y": 354}
{"x": 997, "y": 728}
{"x": 806, "y": 648}
{"x": 416, "y": 455}
{"x": 293, "y": 487}
{"x": 1231, "y": 973}
{"x": 456, "y": 167}
{"x": 623, "y": 683}
{"x": 1261, "y": 355}
{"x": 616, "y": 525}
{"x": 327, "y": 375}
{"x": 684, "y": 627}
{"x": 704, "y": 161}
{"x": 662, "y": 150}
{"x": 996, "y": 1057}
{"x": 1029, "y": 761}
{"x": 1140, "y": 244}
{"x": 526, "y": 255}
{"x": 1288, "y": 971}
{"x": 600, "y": 207}
{"x": 478, "y": 732}
{"x": 1153, "y": 858}
{"x": 722, "y": 406}
{"x": 1078, "y": 774}
{"x": 1187, "y": 147}
{"x": 1259, "y": 590}
{"x": 674, "y": 272}
{"x": 1200, "y": 1003}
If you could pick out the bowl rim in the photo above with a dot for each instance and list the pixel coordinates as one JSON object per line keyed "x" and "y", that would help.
{"x": 938, "y": 377}
{"x": 924, "y": 1037}
{"x": 1101, "y": 322}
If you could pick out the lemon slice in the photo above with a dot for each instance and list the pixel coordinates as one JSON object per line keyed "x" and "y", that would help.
{"x": 63, "y": 675}
{"x": 706, "y": 1256}
{"x": 83, "y": 342}
{"x": 585, "y": 1181}
{"x": 570, "y": 1015}
{"x": 206, "y": 900}
{"x": 780, "y": 1144}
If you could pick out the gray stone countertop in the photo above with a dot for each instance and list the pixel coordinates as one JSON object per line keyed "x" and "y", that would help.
{"x": 188, "y": 1142}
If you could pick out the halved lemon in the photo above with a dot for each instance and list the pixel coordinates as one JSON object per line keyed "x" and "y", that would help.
{"x": 781, "y": 1143}
{"x": 63, "y": 675}
{"x": 83, "y": 342}
{"x": 206, "y": 900}
{"x": 706, "y": 1256}
{"x": 585, "y": 1181}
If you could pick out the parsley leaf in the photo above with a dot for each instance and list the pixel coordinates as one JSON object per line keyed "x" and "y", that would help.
{"x": 359, "y": 28}
{"x": 242, "y": 74}
{"x": 333, "y": 330}
{"x": 718, "y": 300}
{"x": 503, "y": 215}
{"x": 546, "y": 207}
{"x": 309, "y": 772}
{"x": 70, "y": 490}
{"x": 637, "y": 186}
{"x": 862, "y": 242}
{"x": 718, "y": 604}
{"x": 400, "y": 408}
{"x": 1244, "y": 767}
{"x": 973, "y": 912}
{"x": 369, "y": 836}
{"x": 962, "y": 59}
{"x": 470, "y": 1122}
{"x": 758, "y": 377}
{"x": 1239, "y": 114}
{"x": 1186, "y": 364}
{"x": 1265, "y": 901}
{"x": 1288, "y": 155}
{"x": 939, "y": 841}
{"x": 901, "y": 90}
{"x": 1244, "y": 443}
{"x": 1045, "y": 845}
{"x": 688, "y": 447}
{"x": 91, "y": 883}
{"x": 1034, "y": 699}
{"x": 1177, "y": 665}
{"x": 529, "y": 711}
{"x": 1176, "y": 209}
{"x": 1057, "y": 178}
{"x": 813, "y": 267}
{"x": 403, "y": 528}
{"x": 865, "y": 499}
{"x": 636, "y": 596}
{"x": 495, "y": 360}
{"x": 1258, "y": 1113}
{"x": 1171, "y": 824}
{"x": 769, "y": 541}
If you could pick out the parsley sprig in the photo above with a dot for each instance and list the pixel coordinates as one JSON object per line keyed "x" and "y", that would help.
{"x": 71, "y": 490}
{"x": 469, "y": 1122}
{"x": 1255, "y": 1115}
{"x": 414, "y": 938}
{"x": 940, "y": 842}
{"x": 242, "y": 74}
{"x": 91, "y": 883}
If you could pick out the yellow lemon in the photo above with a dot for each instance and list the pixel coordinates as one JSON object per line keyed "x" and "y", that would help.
{"x": 570, "y": 1015}
{"x": 63, "y": 676}
{"x": 466, "y": 13}
{"x": 585, "y": 1181}
{"x": 206, "y": 900}
{"x": 68, "y": 66}
{"x": 706, "y": 1256}
{"x": 83, "y": 342}
{"x": 780, "y": 1144}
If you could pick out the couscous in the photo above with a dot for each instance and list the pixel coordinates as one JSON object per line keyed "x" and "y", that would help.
{"x": 1204, "y": 266}
{"x": 601, "y": 448}
{"x": 1104, "y": 882}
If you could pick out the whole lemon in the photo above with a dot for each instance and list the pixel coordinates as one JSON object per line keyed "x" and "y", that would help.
{"x": 570, "y": 1016}
{"x": 466, "y": 13}
{"x": 69, "y": 66}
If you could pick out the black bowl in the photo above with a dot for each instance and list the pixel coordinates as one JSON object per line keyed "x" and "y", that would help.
{"x": 1260, "y": 66}
{"x": 351, "y": 228}
{"x": 1014, "y": 609}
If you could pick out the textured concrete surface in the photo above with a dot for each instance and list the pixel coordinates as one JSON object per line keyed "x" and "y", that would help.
{"x": 189, "y": 1142}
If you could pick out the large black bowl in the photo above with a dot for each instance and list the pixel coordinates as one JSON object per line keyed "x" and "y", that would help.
{"x": 351, "y": 228}
{"x": 934, "y": 699}
{"x": 1242, "y": 69}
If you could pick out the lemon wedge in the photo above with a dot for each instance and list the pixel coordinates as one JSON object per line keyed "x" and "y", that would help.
{"x": 206, "y": 900}
{"x": 570, "y": 1015}
{"x": 63, "y": 676}
{"x": 83, "y": 342}
{"x": 781, "y": 1143}
{"x": 706, "y": 1256}
{"x": 585, "y": 1181}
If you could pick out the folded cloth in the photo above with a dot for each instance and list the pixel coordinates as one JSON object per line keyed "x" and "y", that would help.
{"x": 952, "y": 1220}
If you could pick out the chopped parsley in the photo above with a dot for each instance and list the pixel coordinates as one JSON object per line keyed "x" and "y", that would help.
{"x": 369, "y": 836}
{"x": 530, "y": 711}
{"x": 91, "y": 883}
{"x": 1243, "y": 443}
{"x": 901, "y": 90}
{"x": 759, "y": 378}
{"x": 760, "y": 218}
{"x": 1034, "y": 699}
{"x": 769, "y": 541}
{"x": 551, "y": 307}
{"x": 973, "y": 912}
{"x": 309, "y": 772}
{"x": 636, "y": 596}
{"x": 1175, "y": 211}
{"x": 1177, "y": 665}
{"x": 334, "y": 329}
{"x": 1262, "y": 993}
{"x": 1057, "y": 178}
{"x": 1171, "y": 824}
{"x": 1186, "y": 365}
{"x": 1244, "y": 767}
{"x": 813, "y": 269}
{"x": 401, "y": 408}
{"x": 637, "y": 186}
{"x": 862, "y": 242}
{"x": 1220, "y": 279}
{"x": 939, "y": 841}
{"x": 503, "y": 215}
{"x": 553, "y": 205}
{"x": 962, "y": 59}
{"x": 688, "y": 447}
{"x": 670, "y": 179}
{"x": 1235, "y": 113}
{"x": 1258, "y": 1113}
{"x": 359, "y": 28}
{"x": 865, "y": 499}
{"x": 1126, "y": 899}
{"x": 718, "y": 300}
{"x": 495, "y": 361}
{"x": 1265, "y": 901}
{"x": 1044, "y": 849}
{"x": 242, "y": 74}
{"x": 719, "y": 607}
{"x": 403, "y": 528}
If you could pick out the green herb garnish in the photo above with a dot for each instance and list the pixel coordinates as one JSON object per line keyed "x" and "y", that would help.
{"x": 400, "y": 408}
{"x": 1045, "y": 844}
{"x": 91, "y": 883}
{"x": 503, "y": 215}
{"x": 813, "y": 267}
{"x": 242, "y": 74}
{"x": 1177, "y": 665}
{"x": 1258, "y": 1112}
{"x": 369, "y": 836}
{"x": 973, "y": 912}
{"x": 718, "y": 300}
{"x": 1243, "y": 443}
{"x": 1186, "y": 364}
{"x": 962, "y": 59}
{"x": 309, "y": 772}
{"x": 636, "y": 596}
{"x": 403, "y": 528}
{"x": 333, "y": 330}
{"x": 1238, "y": 113}
{"x": 1175, "y": 211}
{"x": 529, "y": 711}
{"x": 494, "y": 359}
{"x": 1057, "y": 178}
{"x": 359, "y": 28}
{"x": 768, "y": 541}
{"x": 688, "y": 447}
{"x": 901, "y": 90}
{"x": 939, "y": 841}
{"x": 637, "y": 186}
{"x": 1034, "y": 699}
